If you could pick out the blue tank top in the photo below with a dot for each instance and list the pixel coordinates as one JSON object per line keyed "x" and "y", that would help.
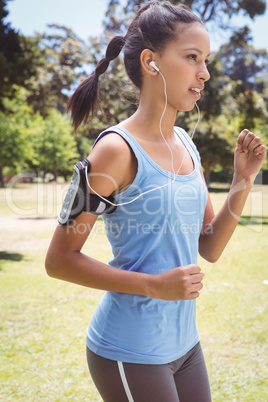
{"x": 155, "y": 233}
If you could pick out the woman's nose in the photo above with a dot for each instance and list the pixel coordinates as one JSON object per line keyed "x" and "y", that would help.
{"x": 204, "y": 74}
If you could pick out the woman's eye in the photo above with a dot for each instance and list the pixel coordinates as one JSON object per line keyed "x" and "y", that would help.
{"x": 207, "y": 62}
{"x": 192, "y": 57}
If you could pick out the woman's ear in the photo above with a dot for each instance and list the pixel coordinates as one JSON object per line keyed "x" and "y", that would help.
{"x": 145, "y": 58}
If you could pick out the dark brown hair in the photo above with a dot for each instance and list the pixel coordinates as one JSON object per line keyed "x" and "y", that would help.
{"x": 154, "y": 26}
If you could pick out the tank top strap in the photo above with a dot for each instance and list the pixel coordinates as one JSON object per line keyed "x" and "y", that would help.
{"x": 134, "y": 145}
{"x": 188, "y": 142}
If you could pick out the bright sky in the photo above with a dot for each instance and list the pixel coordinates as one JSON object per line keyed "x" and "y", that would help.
{"x": 85, "y": 18}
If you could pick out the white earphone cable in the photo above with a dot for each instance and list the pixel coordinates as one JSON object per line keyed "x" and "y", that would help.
{"x": 160, "y": 124}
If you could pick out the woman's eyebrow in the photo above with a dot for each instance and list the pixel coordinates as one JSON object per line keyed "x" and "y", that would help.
{"x": 195, "y": 49}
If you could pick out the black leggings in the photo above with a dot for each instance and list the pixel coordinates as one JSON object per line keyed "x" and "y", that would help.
{"x": 184, "y": 380}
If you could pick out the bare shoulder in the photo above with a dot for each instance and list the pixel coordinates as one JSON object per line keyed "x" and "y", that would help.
{"x": 111, "y": 144}
{"x": 113, "y": 164}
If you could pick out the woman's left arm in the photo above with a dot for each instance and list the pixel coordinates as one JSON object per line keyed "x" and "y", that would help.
{"x": 250, "y": 153}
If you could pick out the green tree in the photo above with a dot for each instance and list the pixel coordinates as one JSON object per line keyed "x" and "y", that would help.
{"x": 215, "y": 140}
{"x": 242, "y": 62}
{"x": 244, "y": 70}
{"x": 251, "y": 105}
{"x": 64, "y": 58}
{"x": 15, "y": 133}
{"x": 54, "y": 147}
{"x": 19, "y": 58}
{"x": 30, "y": 143}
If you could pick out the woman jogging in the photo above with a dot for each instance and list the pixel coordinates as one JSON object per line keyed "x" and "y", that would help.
{"x": 145, "y": 177}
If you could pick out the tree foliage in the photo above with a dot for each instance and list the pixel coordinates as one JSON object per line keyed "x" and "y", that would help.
{"x": 55, "y": 147}
{"x": 29, "y": 142}
{"x": 15, "y": 133}
{"x": 64, "y": 56}
{"x": 220, "y": 12}
{"x": 241, "y": 61}
{"x": 19, "y": 58}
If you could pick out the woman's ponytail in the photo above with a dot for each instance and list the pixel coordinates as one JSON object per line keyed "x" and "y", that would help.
{"x": 86, "y": 99}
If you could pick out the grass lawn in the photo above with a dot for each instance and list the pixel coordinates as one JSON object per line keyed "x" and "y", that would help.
{"x": 43, "y": 321}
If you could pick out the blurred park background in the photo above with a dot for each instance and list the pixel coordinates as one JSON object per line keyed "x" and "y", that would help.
{"x": 43, "y": 321}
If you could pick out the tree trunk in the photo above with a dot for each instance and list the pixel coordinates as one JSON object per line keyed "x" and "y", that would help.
{"x": 2, "y": 182}
{"x": 207, "y": 175}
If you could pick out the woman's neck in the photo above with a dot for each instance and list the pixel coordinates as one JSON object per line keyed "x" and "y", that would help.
{"x": 145, "y": 123}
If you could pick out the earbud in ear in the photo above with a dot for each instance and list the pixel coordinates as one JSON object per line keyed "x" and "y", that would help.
{"x": 152, "y": 64}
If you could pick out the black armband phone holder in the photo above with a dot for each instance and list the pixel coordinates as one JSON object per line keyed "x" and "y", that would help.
{"x": 78, "y": 199}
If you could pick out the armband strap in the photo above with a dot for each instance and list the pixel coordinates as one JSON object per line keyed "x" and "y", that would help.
{"x": 78, "y": 199}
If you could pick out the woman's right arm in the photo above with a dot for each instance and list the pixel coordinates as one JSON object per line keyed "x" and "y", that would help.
{"x": 65, "y": 261}
{"x": 113, "y": 166}
{"x": 112, "y": 162}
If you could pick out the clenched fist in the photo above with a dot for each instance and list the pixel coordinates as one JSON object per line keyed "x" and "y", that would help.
{"x": 250, "y": 154}
{"x": 181, "y": 283}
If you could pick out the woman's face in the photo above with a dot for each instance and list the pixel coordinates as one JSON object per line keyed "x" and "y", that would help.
{"x": 183, "y": 63}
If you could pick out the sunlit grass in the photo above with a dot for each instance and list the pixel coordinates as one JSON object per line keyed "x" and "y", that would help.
{"x": 43, "y": 321}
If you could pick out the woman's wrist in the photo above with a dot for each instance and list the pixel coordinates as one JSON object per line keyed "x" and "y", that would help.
{"x": 242, "y": 180}
{"x": 149, "y": 285}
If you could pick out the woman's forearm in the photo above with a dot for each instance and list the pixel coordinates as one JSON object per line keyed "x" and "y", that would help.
{"x": 71, "y": 265}
{"x": 76, "y": 267}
